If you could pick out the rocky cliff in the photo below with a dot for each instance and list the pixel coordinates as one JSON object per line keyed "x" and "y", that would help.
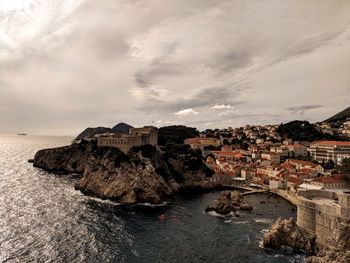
{"x": 144, "y": 175}
{"x": 286, "y": 232}
{"x": 338, "y": 247}
{"x": 66, "y": 159}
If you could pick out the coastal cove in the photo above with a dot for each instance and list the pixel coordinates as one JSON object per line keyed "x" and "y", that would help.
{"x": 56, "y": 221}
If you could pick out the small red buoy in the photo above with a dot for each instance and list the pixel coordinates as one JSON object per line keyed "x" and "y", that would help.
{"x": 161, "y": 217}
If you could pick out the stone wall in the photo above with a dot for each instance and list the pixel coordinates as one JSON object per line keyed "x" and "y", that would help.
{"x": 320, "y": 212}
{"x": 136, "y": 137}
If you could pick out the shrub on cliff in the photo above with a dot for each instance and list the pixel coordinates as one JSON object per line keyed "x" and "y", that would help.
{"x": 300, "y": 131}
{"x": 345, "y": 166}
{"x": 111, "y": 153}
{"x": 175, "y": 134}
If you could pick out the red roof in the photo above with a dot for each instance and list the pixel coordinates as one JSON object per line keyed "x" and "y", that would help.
{"x": 332, "y": 143}
{"x": 294, "y": 180}
{"x": 334, "y": 179}
{"x": 226, "y": 148}
{"x": 300, "y": 162}
{"x": 288, "y": 165}
{"x": 228, "y": 154}
{"x": 200, "y": 140}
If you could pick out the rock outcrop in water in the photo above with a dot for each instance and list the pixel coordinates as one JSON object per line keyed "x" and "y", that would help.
{"x": 228, "y": 202}
{"x": 144, "y": 175}
{"x": 286, "y": 232}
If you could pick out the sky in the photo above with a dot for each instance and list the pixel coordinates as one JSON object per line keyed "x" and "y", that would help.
{"x": 70, "y": 64}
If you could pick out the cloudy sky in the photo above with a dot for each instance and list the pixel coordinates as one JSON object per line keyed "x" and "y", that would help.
{"x": 69, "y": 64}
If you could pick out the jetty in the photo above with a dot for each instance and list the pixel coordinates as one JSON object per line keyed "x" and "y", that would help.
{"x": 255, "y": 192}
{"x": 245, "y": 189}
{"x": 292, "y": 198}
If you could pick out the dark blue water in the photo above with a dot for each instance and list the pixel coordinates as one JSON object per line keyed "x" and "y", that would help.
{"x": 43, "y": 219}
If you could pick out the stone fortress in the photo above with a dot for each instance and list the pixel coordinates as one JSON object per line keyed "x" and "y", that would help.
{"x": 135, "y": 137}
{"x": 320, "y": 212}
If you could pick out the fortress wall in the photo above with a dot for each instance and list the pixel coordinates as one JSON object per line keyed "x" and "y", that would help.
{"x": 344, "y": 202}
{"x": 327, "y": 218}
{"x": 137, "y": 137}
{"x": 122, "y": 143}
{"x": 321, "y": 216}
{"x": 306, "y": 216}
{"x": 317, "y": 193}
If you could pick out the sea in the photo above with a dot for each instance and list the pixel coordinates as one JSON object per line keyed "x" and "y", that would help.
{"x": 44, "y": 219}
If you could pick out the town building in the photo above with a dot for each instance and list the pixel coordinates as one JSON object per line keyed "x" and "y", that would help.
{"x": 200, "y": 143}
{"x": 282, "y": 150}
{"x": 247, "y": 173}
{"x": 275, "y": 183}
{"x": 324, "y": 151}
{"x": 306, "y": 167}
{"x": 136, "y": 137}
{"x": 273, "y": 157}
{"x": 296, "y": 150}
{"x": 332, "y": 182}
{"x": 233, "y": 155}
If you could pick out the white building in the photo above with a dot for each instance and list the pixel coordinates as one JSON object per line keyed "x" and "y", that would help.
{"x": 323, "y": 151}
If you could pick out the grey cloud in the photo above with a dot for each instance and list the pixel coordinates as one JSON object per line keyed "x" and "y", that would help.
{"x": 147, "y": 77}
{"x": 204, "y": 98}
{"x": 87, "y": 64}
{"x": 249, "y": 117}
{"x": 231, "y": 60}
{"x": 303, "y": 108}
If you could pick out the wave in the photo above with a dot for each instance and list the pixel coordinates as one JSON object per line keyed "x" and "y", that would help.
{"x": 263, "y": 220}
{"x": 102, "y": 201}
{"x": 263, "y": 231}
{"x": 241, "y": 222}
{"x": 213, "y": 213}
{"x": 153, "y": 205}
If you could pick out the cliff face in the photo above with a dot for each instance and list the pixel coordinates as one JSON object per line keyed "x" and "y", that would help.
{"x": 287, "y": 233}
{"x": 127, "y": 179}
{"x": 144, "y": 175}
{"x": 66, "y": 159}
{"x": 338, "y": 247}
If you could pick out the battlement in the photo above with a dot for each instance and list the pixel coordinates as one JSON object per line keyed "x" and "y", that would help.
{"x": 136, "y": 137}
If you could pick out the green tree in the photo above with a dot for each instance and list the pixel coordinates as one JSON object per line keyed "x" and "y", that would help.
{"x": 175, "y": 134}
{"x": 345, "y": 166}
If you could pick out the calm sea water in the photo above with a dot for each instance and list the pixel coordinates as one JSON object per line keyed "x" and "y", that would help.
{"x": 43, "y": 219}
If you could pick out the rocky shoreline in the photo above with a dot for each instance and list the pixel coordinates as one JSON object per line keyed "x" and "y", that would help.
{"x": 147, "y": 175}
{"x": 287, "y": 233}
{"x": 144, "y": 175}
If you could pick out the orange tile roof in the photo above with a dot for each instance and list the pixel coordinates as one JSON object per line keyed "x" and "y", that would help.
{"x": 229, "y": 154}
{"x": 331, "y": 143}
{"x": 287, "y": 165}
{"x": 302, "y": 162}
{"x": 329, "y": 179}
{"x": 295, "y": 180}
{"x": 200, "y": 140}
